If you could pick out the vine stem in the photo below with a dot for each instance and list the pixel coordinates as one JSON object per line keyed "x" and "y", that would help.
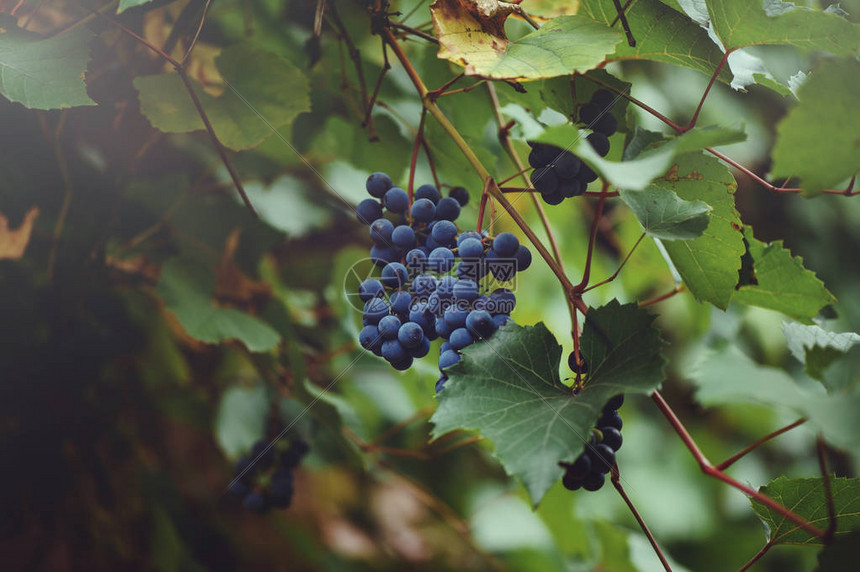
{"x": 707, "y": 468}
{"x": 734, "y": 458}
{"x": 828, "y": 492}
{"x": 586, "y": 273}
{"x": 616, "y": 482}
{"x": 620, "y": 266}
{"x": 473, "y": 160}
{"x": 414, "y": 163}
{"x": 183, "y": 75}
{"x": 757, "y": 556}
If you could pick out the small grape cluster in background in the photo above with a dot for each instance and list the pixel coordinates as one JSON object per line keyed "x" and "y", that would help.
{"x": 589, "y": 470}
{"x": 559, "y": 174}
{"x": 432, "y": 283}
{"x": 264, "y": 479}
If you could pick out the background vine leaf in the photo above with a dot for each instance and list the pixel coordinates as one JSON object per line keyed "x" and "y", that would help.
{"x": 740, "y": 23}
{"x": 508, "y": 388}
{"x": 272, "y": 84}
{"x": 662, "y": 34}
{"x": 827, "y": 103}
{"x": 43, "y": 73}
{"x": 818, "y": 349}
{"x": 472, "y": 35}
{"x": 806, "y": 498}
{"x": 781, "y": 282}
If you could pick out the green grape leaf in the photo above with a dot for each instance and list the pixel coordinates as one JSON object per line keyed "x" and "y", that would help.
{"x": 637, "y": 174}
{"x": 126, "y": 4}
{"x": 806, "y": 498}
{"x": 740, "y": 23}
{"x": 43, "y": 73}
{"x": 276, "y": 88}
{"x": 241, "y": 418}
{"x": 770, "y": 83}
{"x": 663, "y": 214}
{"x": 662, "y": 34}
{"x": 186, "y": 287}
{"x": 472, "y": 34}
{"x": 817, "y": 349}
{"x": 729, "y": 376}
{"x": 708, "y": 264}
{"x": 827, "y": 104}
{"x": 781, "y": 283}
{"x": 508, "y": 388}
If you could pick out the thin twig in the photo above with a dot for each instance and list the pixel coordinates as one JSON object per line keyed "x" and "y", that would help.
{"x": 757, "y": 556}
{"x": 734, "y": 458}
{"x": 414, "y": 32}
{"x": 197, "y": 33}
{"x": 616, "y": 482}
{"x": 620, "y": 266}
{"x": 586, "y": 273}
{"x": 631, "y": 41}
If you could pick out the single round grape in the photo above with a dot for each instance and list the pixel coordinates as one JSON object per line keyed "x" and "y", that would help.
{"x": 444, "y": 232}
{"x": 382, "y": 255}
{"x": 606, "y": 124}
{"x": 460, "y": 195}
{"x": 603, "y": 98}
{"x": 402, "y": 364}
{"x": 544, "y": 180}
{"x": 368, "y": 211}
{"x": 615, "y": 403}
{"x": 295, "y": 452}
{"x": 567, "y": 166}
{"x": 400, "y": 301}
{"x": 255, "y": 502}
{"x": 500, "y": 320}
{"x": 455, "y": 317}
{"x": 394, "y": 275}
{"x": 582, "y": 367}
{"x": 502, "y": 301}
{"x": 461, "y": 338}
{"x": 423, "y": 210}
{"x": 480, "y": 323}
{"x": 370, "y": 288}
{"x": 470, "y": 249}
{"x": 445, "y": 287}
{"x": 370, "y": 339}
{"x": 392, "y": 351}
{"x": 403, "y": 236}
{"x": 388, "y": 327}
{"x": 441, "y": 260}
{"x": 593, "y": 481}
{"x": 612, "y": 437}
{"x": 410, "y": 335}
{"x": 416, "y": 261}
{"x": 524, "y": 258}
{"x": 448, "y": 358}
{"x": 430, "y": 244}
{"x": 542, "y": 155}
{"x": 421, "y": 350}
{"x": 554, "y": 198}
{"x": 422, "y": 316}
{"x": 506, "y": 244}
{"x": 444, "y": 347}
{"x": 467, "y": 234}
{"x": 480, "y": 302}
{"x": 572, "y": 188}
{"x": 610, "y": 419}
{"x": 599, "y": 142}
{"x": 465, "y": 290}
{"x": 239, "y": 488}
{"x": 428, "y": 192}
{"x": 586, "y": 175}
{"x": 471, "y": 270}
{"x": 442, "y": 328}
{"x": 588, "y": 113}
{"x": 447, "y": 209}
{"x": 374, "y": 310}
{"x": 396, "y": 200}
{"x": 571, "y": 483}
{"x": 380, "y": 231}
{"x": 378, "y": 184}
{"x": 580, "y": 467}
{"x": 602, "y": 458}
{"x": 423, "y": 285}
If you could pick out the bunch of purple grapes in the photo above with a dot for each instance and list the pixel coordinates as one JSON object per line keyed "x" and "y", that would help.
{"x": 589, "y": 470}
{"x": 264, "y": 479}
{"x": 432, "y": 280}
{"x": 559, "y": 174}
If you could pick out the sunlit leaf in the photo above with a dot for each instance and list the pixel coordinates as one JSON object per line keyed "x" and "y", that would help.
{"x": 663, "y": 214}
